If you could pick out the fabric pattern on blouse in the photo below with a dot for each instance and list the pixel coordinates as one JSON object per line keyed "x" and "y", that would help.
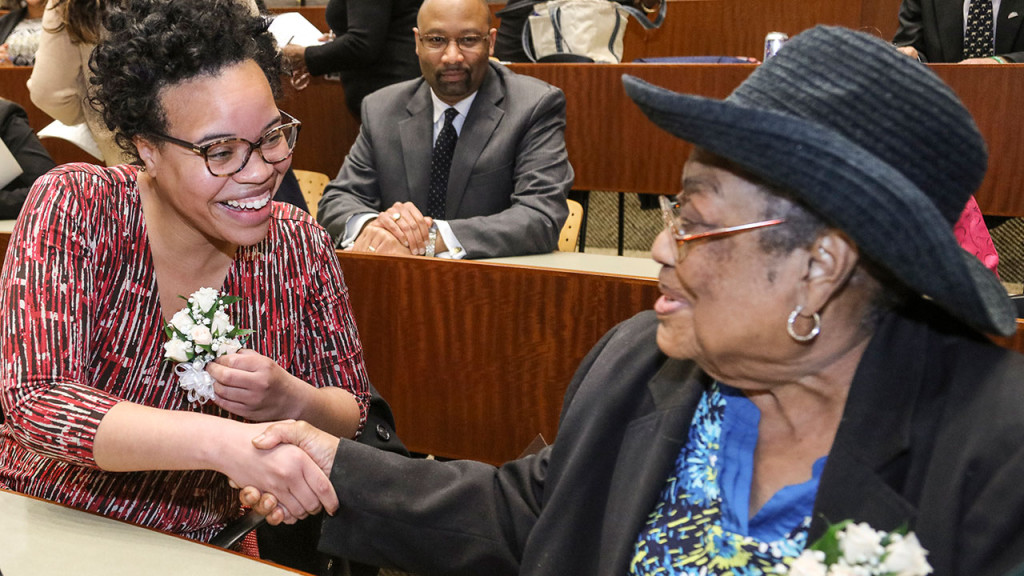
{"x": 81, "y": 330}
{"x": 685, "y": 534}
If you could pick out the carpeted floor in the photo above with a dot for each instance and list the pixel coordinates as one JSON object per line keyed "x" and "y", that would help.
{"x": 640, "y": 225}
{"x": 1008, "y": 237}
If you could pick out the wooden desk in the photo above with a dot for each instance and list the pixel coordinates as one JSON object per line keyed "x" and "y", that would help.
{"x": 578, "y": 261}
{"x": 475, "y": 357}
{"x": 39, "y": 537}
{"x": 724, "y": 27}
{"x": 612, "y": 146}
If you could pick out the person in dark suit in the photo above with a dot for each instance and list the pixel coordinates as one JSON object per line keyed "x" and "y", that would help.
{"x": 817, "y": 356}
{"x": 370, "y": 47}
{"x": 29, "y": 152}
{"x": 933, "y": 31}
{"x": 509, "y": 173}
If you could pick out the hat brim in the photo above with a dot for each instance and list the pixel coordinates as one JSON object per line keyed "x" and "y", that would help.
{"x": 892, "y": 222}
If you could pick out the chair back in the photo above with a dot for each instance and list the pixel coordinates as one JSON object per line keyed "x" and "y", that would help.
{"x": 312, "y": 185}
{"x": 571, "y": 229}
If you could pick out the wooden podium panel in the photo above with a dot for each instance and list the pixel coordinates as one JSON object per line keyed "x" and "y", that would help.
{"x": 474, "y": 357}
{"x": 613, "y": 146}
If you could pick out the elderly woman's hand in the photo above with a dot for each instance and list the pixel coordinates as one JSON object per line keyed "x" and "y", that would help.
{"x": 278, "y": 465}
{"x": 321, "y": 448}
{"x": 250, "y": 385}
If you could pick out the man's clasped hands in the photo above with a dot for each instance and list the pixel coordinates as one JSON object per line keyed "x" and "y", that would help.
{"x": 401, "y": 229}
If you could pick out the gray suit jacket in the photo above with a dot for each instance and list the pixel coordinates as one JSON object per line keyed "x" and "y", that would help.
{"x": 936, "y": 29}
{"x": 932, "y": 436}
{"x": 509, "y": 177}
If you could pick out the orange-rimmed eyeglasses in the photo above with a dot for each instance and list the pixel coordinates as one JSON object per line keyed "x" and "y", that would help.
{"x": 673, "y": 221}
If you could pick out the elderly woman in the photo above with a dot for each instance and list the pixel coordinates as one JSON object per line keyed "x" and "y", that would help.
{"x": 815, "y": 357}
{"x": 99, "y": 258}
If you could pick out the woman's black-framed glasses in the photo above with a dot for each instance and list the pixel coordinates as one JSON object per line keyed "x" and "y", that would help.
{"x": 673, "y": 221}
{"x": 228, "y": 156}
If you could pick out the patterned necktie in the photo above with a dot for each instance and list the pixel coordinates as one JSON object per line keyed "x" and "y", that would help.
{"x": 441, "y": 165}
{"x": 978, "y": 37}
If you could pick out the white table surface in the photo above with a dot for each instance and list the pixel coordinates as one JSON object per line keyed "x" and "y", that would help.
{"x": 584, "y": 262}
{"x": 40, "y": 538}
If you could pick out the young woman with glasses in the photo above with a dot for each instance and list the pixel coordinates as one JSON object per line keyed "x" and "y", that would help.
{"x": 100, "y": 257}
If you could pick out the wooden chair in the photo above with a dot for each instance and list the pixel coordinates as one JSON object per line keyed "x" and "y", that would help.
{"x": 312, "y": 185}
{"x": 571, "y": 229}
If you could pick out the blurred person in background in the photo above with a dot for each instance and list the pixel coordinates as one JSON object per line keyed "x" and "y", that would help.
{"x": 371, "y": 45}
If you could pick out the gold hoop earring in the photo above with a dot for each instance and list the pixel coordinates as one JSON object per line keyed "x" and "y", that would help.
{"x": 803, "y": 337}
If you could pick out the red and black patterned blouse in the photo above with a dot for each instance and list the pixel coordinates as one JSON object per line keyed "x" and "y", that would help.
{"x": 81, "y": 330}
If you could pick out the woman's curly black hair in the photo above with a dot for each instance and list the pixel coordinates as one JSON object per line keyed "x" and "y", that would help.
{"x": 153, "y": 44}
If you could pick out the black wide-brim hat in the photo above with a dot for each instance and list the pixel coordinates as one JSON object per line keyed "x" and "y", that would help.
{"x": 870, "y": 140}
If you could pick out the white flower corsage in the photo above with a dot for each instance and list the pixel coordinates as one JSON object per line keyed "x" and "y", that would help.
{"x": 200, "y": 333}
{"x": 848, "y": 549}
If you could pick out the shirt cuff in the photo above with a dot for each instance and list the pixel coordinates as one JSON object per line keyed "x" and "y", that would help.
{"x": 354, "y": 226}
{"x": 455, "y": 249}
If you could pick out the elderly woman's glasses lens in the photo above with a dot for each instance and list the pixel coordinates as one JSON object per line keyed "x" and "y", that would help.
{"x": 673, "y": 221}
{"x": 229, "y": 156}
{"x": 435, "y": 42}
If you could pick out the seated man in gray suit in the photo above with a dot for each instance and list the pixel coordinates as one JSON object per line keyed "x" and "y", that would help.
{"x": 467, "y": 162}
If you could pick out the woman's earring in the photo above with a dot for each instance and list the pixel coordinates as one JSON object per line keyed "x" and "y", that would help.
{"x": 803, "y": 337}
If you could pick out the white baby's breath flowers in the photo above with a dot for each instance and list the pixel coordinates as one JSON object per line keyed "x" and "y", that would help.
{"x": 198, "y": 334}
{"x": 223, "y": 346}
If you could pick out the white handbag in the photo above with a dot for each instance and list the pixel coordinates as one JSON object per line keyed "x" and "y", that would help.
{"x": 591, "y": 28}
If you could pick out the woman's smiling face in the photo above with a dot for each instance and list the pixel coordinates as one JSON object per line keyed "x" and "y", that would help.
{"x": 235, "y": 103}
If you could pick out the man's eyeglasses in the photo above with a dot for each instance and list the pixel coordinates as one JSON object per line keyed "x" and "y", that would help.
{"x": 673, "y": 221}
{"x": 229, "y": 156}
{"x": 465, "y": 43}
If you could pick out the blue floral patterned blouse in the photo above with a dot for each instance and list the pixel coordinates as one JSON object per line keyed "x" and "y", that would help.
{"x": 700, "y": 524}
